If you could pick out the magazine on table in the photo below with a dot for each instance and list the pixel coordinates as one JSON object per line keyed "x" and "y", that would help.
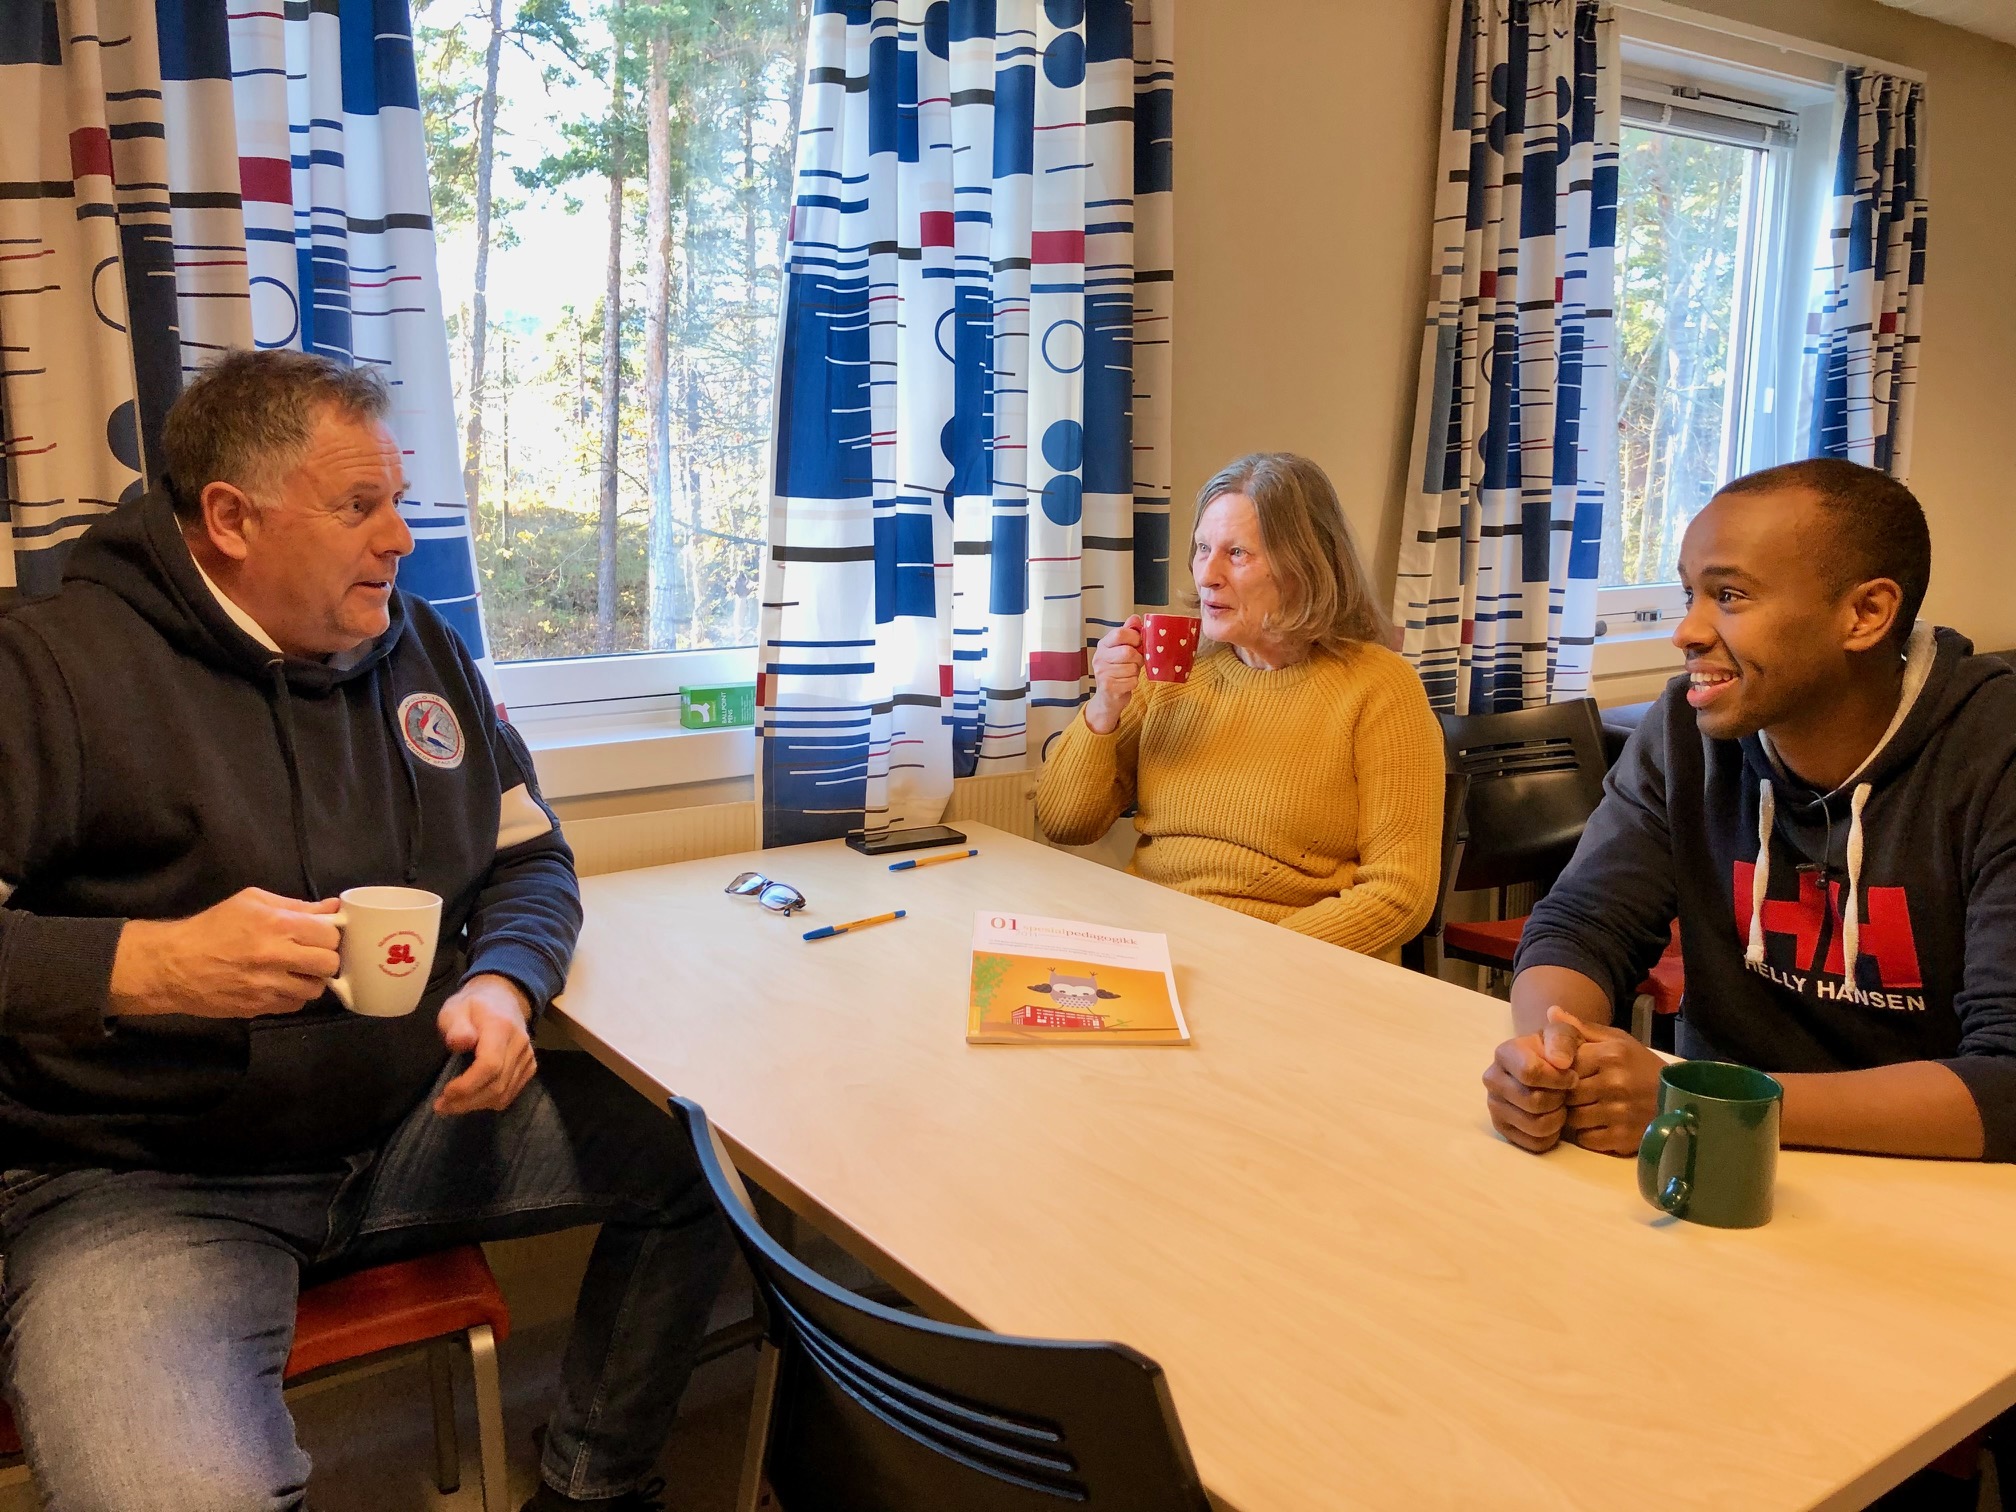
{"x": 1065, "y": 982}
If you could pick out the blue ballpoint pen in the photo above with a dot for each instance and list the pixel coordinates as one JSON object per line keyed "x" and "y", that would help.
{"x": 830, "y": 930}
{"x": 931, "y": 861}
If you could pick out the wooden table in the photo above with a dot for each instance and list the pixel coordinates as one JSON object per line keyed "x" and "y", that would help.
{"x": 1362, "y": 1297}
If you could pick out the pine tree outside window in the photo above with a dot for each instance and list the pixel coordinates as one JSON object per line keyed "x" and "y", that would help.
{"x": 611, "y": 184}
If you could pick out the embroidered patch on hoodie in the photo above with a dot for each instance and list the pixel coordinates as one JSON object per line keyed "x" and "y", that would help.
{"x": 431, "y": 730}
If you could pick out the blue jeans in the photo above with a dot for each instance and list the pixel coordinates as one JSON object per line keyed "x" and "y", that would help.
{"x": 145, "y": 1318}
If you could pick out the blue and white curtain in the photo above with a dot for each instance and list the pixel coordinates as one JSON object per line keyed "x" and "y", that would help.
{"x": 1862, "y": 337}
{"x": 182, "y": 176}
{"x": 1515, "y": 432}
{"x": 972, "y": 416}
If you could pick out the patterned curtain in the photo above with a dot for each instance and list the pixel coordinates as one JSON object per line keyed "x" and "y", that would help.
{"x": 972, "y": 449}
{"x": 1869, "y": 299}
{"x": 1515, "y": 431}
{"x": 182, "y": 176}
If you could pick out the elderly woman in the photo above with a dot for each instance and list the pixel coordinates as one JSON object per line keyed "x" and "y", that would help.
{"x": 1297, "y": 774}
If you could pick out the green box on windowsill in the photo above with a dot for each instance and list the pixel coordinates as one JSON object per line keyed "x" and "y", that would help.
{"x": 718, "y": 707}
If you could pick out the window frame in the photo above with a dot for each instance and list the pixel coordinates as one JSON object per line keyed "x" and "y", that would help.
{"x": 608, "y": 723}
{"x": 611, "y": 724}
{"x": 542, "y": 689}
{"x": 1708, "y": 82}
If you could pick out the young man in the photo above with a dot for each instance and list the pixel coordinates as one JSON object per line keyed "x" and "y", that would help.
{"x": 1827, "y": 803}
{"x": 227, "y": 716}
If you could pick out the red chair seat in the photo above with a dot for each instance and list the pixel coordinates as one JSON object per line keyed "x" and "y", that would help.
{"x": 1495, "y": 939}
{"x": 385, "y": 1307}
{"x": 1498, "y": 940}
{"x": 393, "y": 1305}
{"x": 1666, "y": 982}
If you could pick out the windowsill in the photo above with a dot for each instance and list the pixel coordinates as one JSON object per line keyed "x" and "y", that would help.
{"x": 1631, "y": 668}
{"x": 589, "y": 754}
{"x": 602, "y": 725}
{"x": 1647, "y": 650}
{"x": 583, "y": 755}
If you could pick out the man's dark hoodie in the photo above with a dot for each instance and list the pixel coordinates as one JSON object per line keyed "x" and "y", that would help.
{"x": 1821, "y": 931}
{"x": 156, "y": 759}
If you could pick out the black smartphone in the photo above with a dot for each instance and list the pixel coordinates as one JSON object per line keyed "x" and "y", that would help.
{"x": 890, "y": 841}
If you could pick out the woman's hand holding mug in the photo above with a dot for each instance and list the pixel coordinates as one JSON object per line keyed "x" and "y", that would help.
{"x": 1117, "y": 666}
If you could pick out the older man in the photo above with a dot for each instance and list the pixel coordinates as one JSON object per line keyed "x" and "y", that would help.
{"x": 229, "y": 715}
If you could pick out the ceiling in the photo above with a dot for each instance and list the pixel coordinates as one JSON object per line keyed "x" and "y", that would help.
{"x": 1991, "y": 18}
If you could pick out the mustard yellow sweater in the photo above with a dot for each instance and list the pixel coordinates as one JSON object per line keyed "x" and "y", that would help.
{"x": 1309, "y": 796}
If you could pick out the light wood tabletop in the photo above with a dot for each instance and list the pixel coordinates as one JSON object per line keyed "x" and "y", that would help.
{"x": 1362, "y": 1297}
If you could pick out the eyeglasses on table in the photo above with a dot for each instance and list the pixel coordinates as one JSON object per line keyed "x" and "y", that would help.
{"x": 778, "y": 897}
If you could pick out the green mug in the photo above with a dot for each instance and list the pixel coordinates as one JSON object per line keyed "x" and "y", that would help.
{"x": 1727, "y": 1118}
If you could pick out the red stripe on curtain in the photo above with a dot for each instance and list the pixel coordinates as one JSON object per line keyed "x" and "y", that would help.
{"x": 1056, "y": 666}
{"x": 90, "y": 152}
{"x": 1057, "y": 246}
{"x": 270, "y": 181}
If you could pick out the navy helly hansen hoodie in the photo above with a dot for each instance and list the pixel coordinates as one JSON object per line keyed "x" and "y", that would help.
{"x": 1821, "y": 931}
{"x": 155, "y": 759}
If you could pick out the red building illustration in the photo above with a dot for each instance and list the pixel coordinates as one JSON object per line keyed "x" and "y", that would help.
{"x": 1031, "y": 1017}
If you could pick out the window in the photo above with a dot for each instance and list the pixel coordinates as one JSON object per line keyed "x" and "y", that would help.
{"x": 1690, "y": 224}
{"x": 1723, "y": 169}
{"x": 617, "y": 562}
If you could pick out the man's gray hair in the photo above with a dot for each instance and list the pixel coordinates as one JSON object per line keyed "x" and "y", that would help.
{"x": 247, "y": 417}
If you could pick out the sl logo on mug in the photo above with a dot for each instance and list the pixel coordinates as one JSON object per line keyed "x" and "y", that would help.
{"x": 387, "y": 950}
{"x": 399, "y": 949}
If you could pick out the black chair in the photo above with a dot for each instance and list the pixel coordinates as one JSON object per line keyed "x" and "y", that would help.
{"x": 1424, "y": 952}
{"x": 861, "y": 1408}
{"x": 1535, "y": 777}
{"x": 1620, "y": 722}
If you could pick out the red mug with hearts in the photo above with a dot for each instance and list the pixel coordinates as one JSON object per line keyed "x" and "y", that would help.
{"x": 1169, "y": 646}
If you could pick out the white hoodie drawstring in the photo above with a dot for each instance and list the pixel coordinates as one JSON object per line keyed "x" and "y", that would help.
{"x": 1851, "y": 921}
{"x": 1919, "y": 654}
{"x": 1760, "y": 880}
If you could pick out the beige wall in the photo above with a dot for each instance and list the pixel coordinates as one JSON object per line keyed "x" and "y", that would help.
{"x": 1305, "y": 160}
{"x": 652, "y": 800}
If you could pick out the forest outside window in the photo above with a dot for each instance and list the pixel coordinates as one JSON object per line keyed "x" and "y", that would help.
{"x": 611, "y": 184}
{"x": 1722, "y": 174}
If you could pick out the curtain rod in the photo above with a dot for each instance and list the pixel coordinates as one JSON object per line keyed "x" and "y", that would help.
{"x": 1782, "y": 41}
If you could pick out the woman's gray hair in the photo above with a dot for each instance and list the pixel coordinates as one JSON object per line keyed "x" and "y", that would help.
{"x": 1326, "y": 594}
{"x": 246, "y": 419}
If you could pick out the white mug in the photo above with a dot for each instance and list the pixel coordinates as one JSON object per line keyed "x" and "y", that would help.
{"x": 389, "y": 935}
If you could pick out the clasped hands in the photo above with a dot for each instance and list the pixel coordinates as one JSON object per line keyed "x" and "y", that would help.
{"x": 258, "y": 953}
{"x": 1597, "y": 1086}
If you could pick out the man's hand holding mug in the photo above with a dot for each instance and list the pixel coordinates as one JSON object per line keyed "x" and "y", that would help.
{"x": 257, "y": 954}
{"x": 254, "y": 954}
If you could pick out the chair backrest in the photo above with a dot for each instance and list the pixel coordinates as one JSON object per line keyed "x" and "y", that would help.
{"x": 1536, "y": 775}
{"x": 1422, "y": 953}
{"x": 879, "y": 1411}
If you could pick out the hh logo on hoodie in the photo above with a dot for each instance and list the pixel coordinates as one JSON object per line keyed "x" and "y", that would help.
{"x": 1886, "y": 950}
